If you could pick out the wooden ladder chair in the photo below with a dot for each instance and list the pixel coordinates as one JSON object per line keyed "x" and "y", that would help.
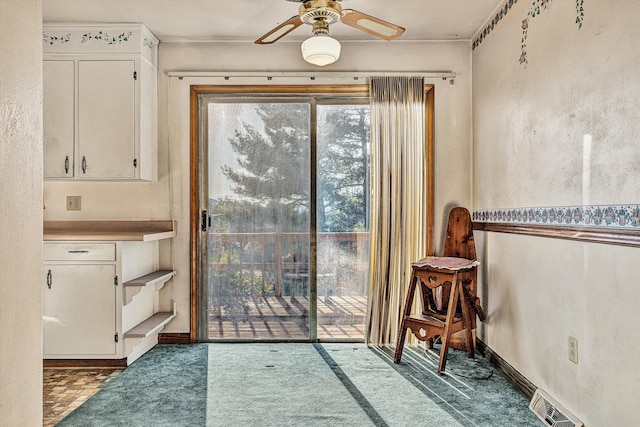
{"x": 448, "y": 289}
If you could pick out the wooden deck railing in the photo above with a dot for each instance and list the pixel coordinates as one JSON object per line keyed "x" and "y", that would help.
{"x": 258, "y": 263}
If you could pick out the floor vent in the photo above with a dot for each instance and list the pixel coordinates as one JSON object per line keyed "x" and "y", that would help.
{"x": 551, "y": 412}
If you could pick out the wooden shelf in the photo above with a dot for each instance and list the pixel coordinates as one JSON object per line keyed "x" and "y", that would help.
{"x": 149, "y": 326}
{"x": 159, "y": 276}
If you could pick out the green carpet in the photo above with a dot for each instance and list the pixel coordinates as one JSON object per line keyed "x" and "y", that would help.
{"x": 356, "y": 385}
{"x": 276, "y": 385}
{"x": 165, "y": 387}
{"x": 265, "y": 384}
{"x": 471, "y": 392}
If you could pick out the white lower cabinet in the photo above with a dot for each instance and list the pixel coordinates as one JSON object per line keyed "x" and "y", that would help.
{"x": 101, "y": 299}
{"x": 80, "y": 310}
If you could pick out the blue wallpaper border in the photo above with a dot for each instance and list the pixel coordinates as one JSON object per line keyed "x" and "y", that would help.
{"x": 594, "y": 216}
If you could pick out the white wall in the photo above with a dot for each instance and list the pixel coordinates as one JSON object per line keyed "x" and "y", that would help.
{"x": 452, "y": 127}
{"x": 21, "y": 213}
{"x": 530, "y": 124}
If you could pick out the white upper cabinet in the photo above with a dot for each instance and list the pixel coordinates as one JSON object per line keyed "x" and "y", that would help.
{"x": 100, "y": 92}
{"x": 59, "y": 118}
{"x": 106, "y": 125}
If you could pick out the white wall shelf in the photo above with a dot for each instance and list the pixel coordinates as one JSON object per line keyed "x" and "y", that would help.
{"x": 157, "y": 279}
{"x": 151, "y": 325}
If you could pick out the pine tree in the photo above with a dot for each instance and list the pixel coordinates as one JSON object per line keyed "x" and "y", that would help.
{"x": 343, "y": 170}
{"x": 273, "y": 178}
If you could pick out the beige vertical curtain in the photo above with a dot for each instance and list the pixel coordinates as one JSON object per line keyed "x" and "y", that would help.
{"x": 398, "y": 223}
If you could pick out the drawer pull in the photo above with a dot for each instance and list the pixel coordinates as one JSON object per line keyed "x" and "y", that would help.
{"x": 49, "y": 279}
{"x": 84, "y": 251}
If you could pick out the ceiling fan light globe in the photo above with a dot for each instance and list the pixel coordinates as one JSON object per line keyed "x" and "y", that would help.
{"x": 321, "y": 50}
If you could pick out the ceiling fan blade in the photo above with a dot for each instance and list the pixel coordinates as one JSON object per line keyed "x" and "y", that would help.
{"x": 280, "y": 31}
{"x": 369, "y": 24}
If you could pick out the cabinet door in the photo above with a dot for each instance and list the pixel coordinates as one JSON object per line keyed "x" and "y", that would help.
{"x": 58, "y": 112}
{"x": 79, "y": 310}
{"x": 106, "y": 119}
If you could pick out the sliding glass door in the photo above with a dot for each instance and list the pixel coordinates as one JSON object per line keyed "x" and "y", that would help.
{"x": 286, "y": 217}
{"x": 342, "y": 210}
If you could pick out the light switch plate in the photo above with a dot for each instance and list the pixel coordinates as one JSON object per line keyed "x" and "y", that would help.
{"x": 74, "y": 203}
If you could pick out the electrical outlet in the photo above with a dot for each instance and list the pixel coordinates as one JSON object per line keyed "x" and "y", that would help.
{"x": 573, "y": 350}
{"x": 73, "y": 203}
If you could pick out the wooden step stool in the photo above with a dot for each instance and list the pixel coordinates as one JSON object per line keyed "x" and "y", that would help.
{"x": 452, "y": 278}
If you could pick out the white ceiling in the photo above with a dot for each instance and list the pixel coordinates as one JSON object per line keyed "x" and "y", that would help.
{"x": 247, "y": 20}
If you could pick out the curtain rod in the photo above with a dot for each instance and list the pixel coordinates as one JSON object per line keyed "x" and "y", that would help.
{"x": 312, "y": 75}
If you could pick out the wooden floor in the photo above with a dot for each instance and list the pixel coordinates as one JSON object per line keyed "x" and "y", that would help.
{"x": 287, "y": 318}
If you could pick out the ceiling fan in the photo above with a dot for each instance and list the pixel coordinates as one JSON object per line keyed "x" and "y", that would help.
{"x": 320, "y": 48}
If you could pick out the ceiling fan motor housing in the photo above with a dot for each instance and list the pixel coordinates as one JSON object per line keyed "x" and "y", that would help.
{"x": 327, "y": 11}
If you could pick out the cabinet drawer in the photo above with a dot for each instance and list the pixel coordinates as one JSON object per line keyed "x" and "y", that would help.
{"x": 79, "y": 251}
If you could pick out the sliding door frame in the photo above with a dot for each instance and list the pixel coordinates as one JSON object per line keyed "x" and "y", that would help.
{"x": 196, "y": 156}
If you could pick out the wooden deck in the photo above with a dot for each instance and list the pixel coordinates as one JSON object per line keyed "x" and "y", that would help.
{"x": 287, "y": 318}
